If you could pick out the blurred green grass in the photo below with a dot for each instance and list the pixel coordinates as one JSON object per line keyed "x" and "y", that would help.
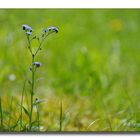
{"x": 92, "y": 64}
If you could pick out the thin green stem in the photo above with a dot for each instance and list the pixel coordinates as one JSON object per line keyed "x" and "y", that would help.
{"x": 21, "y": 104}
{"x": 10, "y": 113}
{"x": 39, "y": 48}
{"x": 29, "y": 45}
{"x": 38, "y": 119}
{"x": 32, "y": 83}
{"x": 61, "y": 116}
{"x": 40, "y": 43}
{"x": 32, "y": 91}
{"x": 1, "y": 114}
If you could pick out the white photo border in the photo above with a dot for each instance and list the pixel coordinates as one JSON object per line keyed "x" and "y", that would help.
{"x": 69, "y": 3}
{"x": 47, "y": 4}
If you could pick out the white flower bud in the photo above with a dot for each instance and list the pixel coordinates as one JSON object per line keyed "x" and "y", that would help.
{"x": 37, "y": 64}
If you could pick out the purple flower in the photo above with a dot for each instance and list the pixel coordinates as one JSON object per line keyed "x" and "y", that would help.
{"x": 27, "y": 28}
{"x": 51, "y": 29}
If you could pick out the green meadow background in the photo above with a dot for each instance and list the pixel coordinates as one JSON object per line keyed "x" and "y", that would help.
{"x": 92, "y": 65}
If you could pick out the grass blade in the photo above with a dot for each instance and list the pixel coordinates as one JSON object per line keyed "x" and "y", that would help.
{"x": 22, "y": 104}
{"x": 93, "y": 122}
{"x": 1, "y": 114}
{"x": 26, "y": 111}
{"x": 61, "y": 115}
{"x": 9, "y": 121}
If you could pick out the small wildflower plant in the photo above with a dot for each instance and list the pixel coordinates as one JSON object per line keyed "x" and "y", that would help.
{"x": 33, "y": 67}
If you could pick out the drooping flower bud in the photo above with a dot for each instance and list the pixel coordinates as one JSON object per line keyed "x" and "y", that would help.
{"x": 27, "y": 28}
{"x": 51, "y": 29}
{"x": 37, "y": 64}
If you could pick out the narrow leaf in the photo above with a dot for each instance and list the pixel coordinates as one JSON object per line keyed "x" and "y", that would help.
{"x": 26, "y": 111}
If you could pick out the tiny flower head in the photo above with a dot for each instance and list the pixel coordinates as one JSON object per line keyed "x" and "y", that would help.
{"x": 37, "y": 64}
{"x": 54, "y": 29}
{"x": 27, "y": 28}
{"x": 51, "y": 29}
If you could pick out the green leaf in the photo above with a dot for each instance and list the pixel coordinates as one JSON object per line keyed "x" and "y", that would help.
{"x": 14, "y": 126}
{"x": 26, "y": 111}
